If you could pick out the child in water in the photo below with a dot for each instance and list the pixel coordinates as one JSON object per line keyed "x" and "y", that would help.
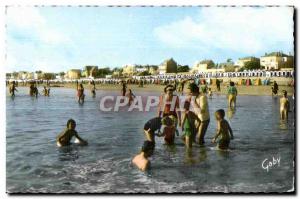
{"x": 223, "y": 129}
{"x": 130, "y": 97}
{"x": 210, "y": 93}
{"x": 141, "y": 160}
{"x": 188, "y": 125}
{"x": 284, "y": 106}
{"x": 64, "y": 138}
{"x": 46, "y": 91}
{"x": 232, "y": 93}
{"x": 169, "y": 129}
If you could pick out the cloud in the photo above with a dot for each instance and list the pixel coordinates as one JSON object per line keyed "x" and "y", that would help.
{"x": 245, "y": 30}
{"x": 33, "y": 43}
{"x": 30, "y": 20}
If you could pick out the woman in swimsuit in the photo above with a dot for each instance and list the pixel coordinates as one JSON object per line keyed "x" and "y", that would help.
{"x": 80, "y": 93}
{"x": 169, "y": 104}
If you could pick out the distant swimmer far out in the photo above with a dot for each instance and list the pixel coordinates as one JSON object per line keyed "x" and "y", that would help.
{"x": 64, "y": 138}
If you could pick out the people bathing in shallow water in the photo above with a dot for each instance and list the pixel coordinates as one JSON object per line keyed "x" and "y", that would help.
{"x": 141, "y": 160}
{"x": 31, "y": 89}
{"x": 166, "y": 106}
{"x": 232, "y": 93}
{"x": 80, "y": 93}
{"x": 284, "y": 106}
{"x": 224, "y": 131}
{"x": 124, "y": 87}
{"x": 210, "y": 93}
{"x": 189, "y": 119}
{"x": 64, "y": 138}
{"x": 130, "y": 97}
{"x": 46, "y": 91}
{"x": 35, "y": 91}
{"x": 93, "y": 89}
{"x": 169, "y": 129}
{"x": 275, "y": 89}
{"x": 201, "y": 109}
{"x": 12, "y": 89}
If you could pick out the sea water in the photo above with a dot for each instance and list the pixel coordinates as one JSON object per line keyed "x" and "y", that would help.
{"x": 35, "y": 165}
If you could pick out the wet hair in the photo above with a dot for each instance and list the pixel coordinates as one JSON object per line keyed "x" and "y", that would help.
{"x": 168, "y": 121}
{"x": 231, "y": 83}
{"x": 71, "y": 121}
{"x": 147, "y": 147}
{"x": 221, "y": 113}
{"x": 193, "y": 87}
{"x": 168, "y": 86}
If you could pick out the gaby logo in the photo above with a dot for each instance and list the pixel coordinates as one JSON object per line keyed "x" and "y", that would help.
{"x": 270, "y": 163}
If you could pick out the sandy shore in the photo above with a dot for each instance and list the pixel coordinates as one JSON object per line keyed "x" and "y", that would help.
{"x": 242, "y": 90}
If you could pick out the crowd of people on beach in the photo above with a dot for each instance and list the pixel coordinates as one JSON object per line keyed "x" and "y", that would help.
{"x": 193, "y": 118}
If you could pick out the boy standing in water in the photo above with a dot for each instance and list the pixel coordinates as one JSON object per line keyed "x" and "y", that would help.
{"x": 64, "y": 138}
{"x": 232, "y": 93}
{"x": 223, "y": 129}
{"x": 284, "y": 106}
{"x": 188, "y": 124}
{"x": 141, "y": 160}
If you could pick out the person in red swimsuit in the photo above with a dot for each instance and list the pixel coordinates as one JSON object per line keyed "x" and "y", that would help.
{"x": 169, "y": 104}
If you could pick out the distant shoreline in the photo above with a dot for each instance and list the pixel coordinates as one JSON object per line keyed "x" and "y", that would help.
{"x": 242, "y": 90}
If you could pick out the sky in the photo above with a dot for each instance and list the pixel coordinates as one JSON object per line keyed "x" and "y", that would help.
{"x": 55, "y": 39}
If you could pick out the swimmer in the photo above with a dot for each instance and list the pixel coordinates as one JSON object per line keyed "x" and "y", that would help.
{"x": 232, "y": 93}
{"x": 275, "y": 89}
{"x": 169, "y": 129}
{"x": 46, "y": 91}
{"x": 64, "y": 138}
{"x": 93, "y": 89}
{"x": 284, "y": 106}
{"x": 130, "y": 97}
{"x": 12, "y": 89}
{"x": 210, "y": 93}
{"x": 35, "y": 91}
{"x": 80, "y": 93}
{"x": 223, "y": 129}
{"x": 188, "y": 125}
{"x": 150, "y": 127}
{"x": 141, "y": 160}
{"x": 31, "y": 89}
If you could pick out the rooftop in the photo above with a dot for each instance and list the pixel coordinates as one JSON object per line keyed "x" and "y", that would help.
{"x": 277, "y": 54}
